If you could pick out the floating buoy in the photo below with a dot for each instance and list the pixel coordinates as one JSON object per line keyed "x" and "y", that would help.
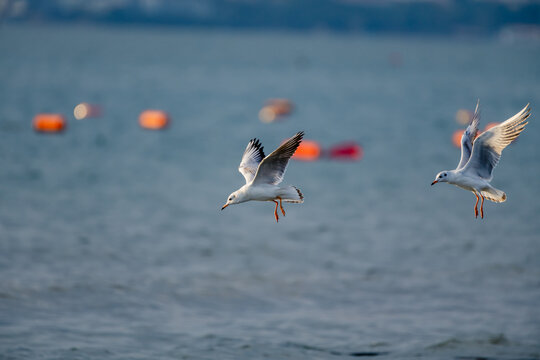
{"x": 464, "y": 116}
{"x": 49, "y": 123}
{"x": 275, "y": 109}
{"x": 281, "y": 106}
{"x": 267, "y": 114}
{"x": 154, "y": 119}
{"x": 85, "y": 110}
{"x": 456, "y": 137}
{"x": 346, "y": 151}
{"x": 308, "y": 150}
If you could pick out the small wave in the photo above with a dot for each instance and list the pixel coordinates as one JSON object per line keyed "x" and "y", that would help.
{"x": 497, "y": 339}
{"x": 335, "y": 352}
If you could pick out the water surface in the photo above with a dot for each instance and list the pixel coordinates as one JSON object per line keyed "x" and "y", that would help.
{"x": 112, "y": 245}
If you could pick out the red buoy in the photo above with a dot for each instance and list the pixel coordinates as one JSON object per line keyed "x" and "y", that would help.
{"x": 349, "y": 150}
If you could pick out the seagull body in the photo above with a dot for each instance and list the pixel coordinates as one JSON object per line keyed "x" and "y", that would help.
{"x": 480, "y": 155}
{"x": 264, "y": 174}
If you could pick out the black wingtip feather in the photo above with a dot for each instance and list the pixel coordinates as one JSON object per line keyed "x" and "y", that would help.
{"x": 256, "y": 144}
{"x": 298, "y": 138}
{"x": 293, "y": 143}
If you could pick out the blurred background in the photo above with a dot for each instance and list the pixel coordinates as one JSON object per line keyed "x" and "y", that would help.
{"x": 122, "y": 124}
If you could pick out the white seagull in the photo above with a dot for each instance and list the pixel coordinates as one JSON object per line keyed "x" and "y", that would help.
{"x": 264, "y": 174}
{"x": 479, "y": 157}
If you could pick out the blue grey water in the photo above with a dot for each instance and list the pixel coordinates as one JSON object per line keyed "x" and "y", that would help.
{"x": 112, "y": 245}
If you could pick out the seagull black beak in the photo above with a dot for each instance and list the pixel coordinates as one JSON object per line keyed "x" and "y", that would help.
{"x": 224, "y": 206}
{"x": 433, "y": 183}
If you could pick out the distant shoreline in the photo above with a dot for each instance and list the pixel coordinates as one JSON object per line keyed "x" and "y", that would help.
{"x": 459, "y": 18}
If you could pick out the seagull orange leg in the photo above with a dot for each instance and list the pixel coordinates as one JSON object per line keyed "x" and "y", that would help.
{"x": 476, "y": 205}
{"x": 275, "y": 211}
{"x": 482, "y": 207}
{"x": 281, "y": 207}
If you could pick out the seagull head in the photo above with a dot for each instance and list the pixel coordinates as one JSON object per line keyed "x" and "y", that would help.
{"x": 235, "y": 198}
{"x": 443, "y": 176}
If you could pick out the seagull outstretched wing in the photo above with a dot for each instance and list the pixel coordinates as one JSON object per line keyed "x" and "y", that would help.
{"x": 253, "y": 155}
{"x": 468, "y": 137}
{"x": 272, "y": 168}
{"x": 487, "y": 148}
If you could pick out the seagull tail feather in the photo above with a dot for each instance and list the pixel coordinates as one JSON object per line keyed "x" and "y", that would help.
{"x": 494, "y": 195}
{"x": 292, "y": 194}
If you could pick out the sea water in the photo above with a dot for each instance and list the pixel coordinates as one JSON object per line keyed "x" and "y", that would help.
{"x": 112, "y": 245}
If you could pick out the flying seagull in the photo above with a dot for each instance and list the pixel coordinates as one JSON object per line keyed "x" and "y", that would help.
{"x": 264, "y": 174}
{"x": 480, "y": 156}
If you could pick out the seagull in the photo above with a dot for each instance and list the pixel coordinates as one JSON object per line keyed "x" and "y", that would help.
{"x": 264, "y": 174}
{"x": 480, "y": 156}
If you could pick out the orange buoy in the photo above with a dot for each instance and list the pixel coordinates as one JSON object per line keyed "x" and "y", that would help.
{"x": 346, "y": 151}
{"x": 268, "y": 114}
{"x": 49, "y": 123}
{"x": 464, "y": 116}
{"x": 308, "y": 150}
{"x": 281, "y": 106}
{"x": 456, "y": 137}
{"x": 86, "y": 110}
{"x": 154, "y": 119}
{"x": 275, "y": 109}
